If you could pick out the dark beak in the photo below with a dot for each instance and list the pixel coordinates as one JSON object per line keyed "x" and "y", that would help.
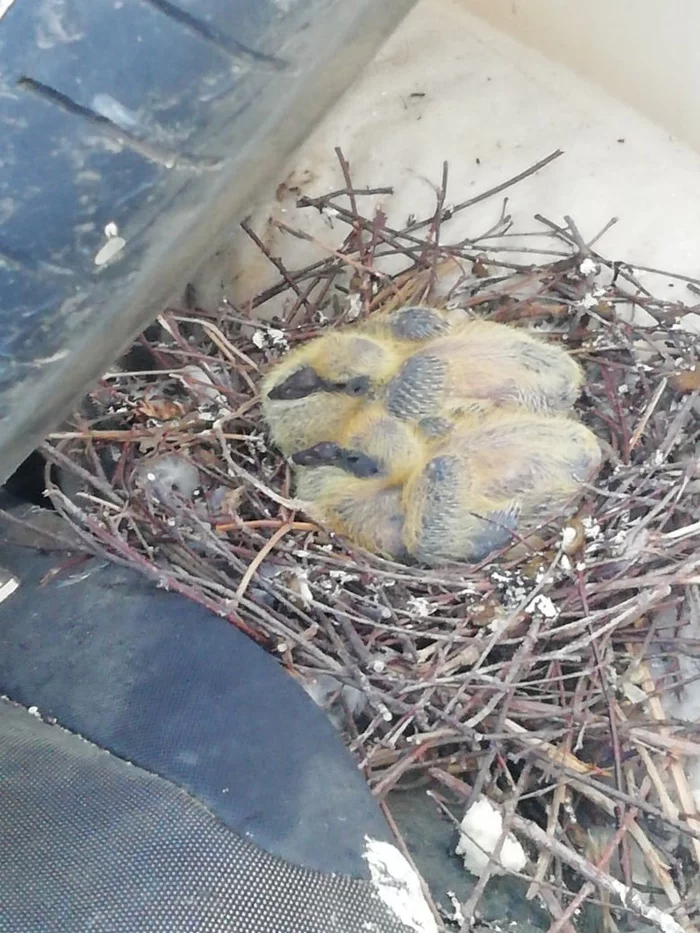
{"x": 322, "y": 454}
{"x": 301, "y": 383}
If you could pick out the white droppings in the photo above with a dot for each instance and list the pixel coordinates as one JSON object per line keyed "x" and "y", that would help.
{"x": 588, "y": 266}
{"x": 54, "y": 358}
{"x": 419, "y": 607}
{"x": 480, "y": 830}
{"x": 458, "y": 916}
{"x": 342, "y": 576}
{"x": 588, "y": 301}
{"x": 398, "y": 886}
{"x": 592, "y": 528}
{"x": 111, "y": 248}
{"x": 543, "y": 605}
{"x": 8, "y": 586}
{"x": 270, "y": 337}
{"x": 354, "y": 306}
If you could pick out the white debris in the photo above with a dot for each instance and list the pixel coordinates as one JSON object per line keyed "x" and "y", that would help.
{"x": 301, "y": 579}
{"x": 354, "y": 306}
{"x": 588, "y": 301}
{"x": 419, "y": 607}
{"x": 592, "y": 528}
{"x": 458, "y": 916}
{"x": 278, "y": 337}
{"x": 543, "y": 605}
{"x": 398, "y": 886}
{"x": 480, "y": 830}
{"x": 113, "y": 110}
{"x": 8, "y": 586}
{"x": 113, "y": 246}
{"x": 270, "y": 337}
{"x": 588, "y": 266}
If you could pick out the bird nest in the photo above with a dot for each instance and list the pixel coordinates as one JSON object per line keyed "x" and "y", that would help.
{"x": 550, "y": 681}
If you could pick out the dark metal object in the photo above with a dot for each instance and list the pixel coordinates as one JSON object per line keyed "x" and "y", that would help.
{"x": 132, "y": 135}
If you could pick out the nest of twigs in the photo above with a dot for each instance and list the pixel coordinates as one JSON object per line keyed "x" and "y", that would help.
{"x": 548, "y": 681}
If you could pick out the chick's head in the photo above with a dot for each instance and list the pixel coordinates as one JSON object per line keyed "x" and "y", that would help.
{"x": 396, "y": 447}
{"x": 354, "y": 484}
{"x": 351, "y": 497}
{"x": 313, "y": 391}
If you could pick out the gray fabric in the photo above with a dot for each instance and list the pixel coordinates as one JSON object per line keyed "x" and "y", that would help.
{"x": 91, "y": 843}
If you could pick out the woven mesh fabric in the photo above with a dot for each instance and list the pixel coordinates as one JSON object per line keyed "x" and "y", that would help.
{"x": 91, "y": 843}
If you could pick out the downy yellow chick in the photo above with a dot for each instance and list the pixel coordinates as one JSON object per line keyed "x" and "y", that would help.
{"x": 426, "y": 365}
{"x": 366, "y": 509}
{"x": 311, "y": 393}
{"x": 457, "y": 498}
{"x": 482, "y": 362}
{"x": 509, "y": 471}
{"x": 354, "y": 485}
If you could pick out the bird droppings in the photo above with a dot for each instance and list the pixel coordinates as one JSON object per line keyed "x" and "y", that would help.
{"x": 589, "y": 301}
{"x": 589, "y": 267}
{"x": 109, "y": 250}
{"x": 270, "y": 337}
{"x": 480, "y": 831}
{"x": 398, "y": 886}
{"x": 543, "y": 605}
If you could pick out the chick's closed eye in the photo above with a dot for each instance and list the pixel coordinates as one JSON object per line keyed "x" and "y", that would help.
{"x": 359, "y": 464}
{"x": 357, "y": 386}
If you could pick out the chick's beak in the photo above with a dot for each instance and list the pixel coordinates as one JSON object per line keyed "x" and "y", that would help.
{"x": 319, "y": 455}
{"x": 303, "y": 382}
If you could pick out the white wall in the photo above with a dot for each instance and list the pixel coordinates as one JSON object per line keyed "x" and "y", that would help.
{"x": 491, "y": 106}
{"x": 646, "y": 52}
